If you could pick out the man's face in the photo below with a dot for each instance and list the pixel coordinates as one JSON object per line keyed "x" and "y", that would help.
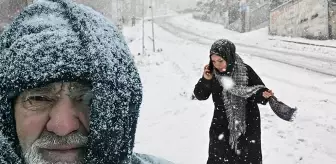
{"x": 52, "y": 123}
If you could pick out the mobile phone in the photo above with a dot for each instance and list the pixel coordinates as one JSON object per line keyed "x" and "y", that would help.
{"x": 211, "y": 66}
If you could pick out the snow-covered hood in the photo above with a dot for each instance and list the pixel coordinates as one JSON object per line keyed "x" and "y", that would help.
{"x": 58, "y": 40}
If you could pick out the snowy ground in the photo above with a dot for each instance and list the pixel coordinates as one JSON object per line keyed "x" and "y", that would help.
{"x": 176, "y": 128}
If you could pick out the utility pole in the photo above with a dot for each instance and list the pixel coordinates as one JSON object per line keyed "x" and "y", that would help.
{"x": 133, "y": 7}
{"x": 143, "y": 27}
{"x": 114, "y": 16}
{"x": 243, "y": 8}
{"x": 153, "y": 37}
{"x": 119, "y": 20}
{"x": 118, "y": 17}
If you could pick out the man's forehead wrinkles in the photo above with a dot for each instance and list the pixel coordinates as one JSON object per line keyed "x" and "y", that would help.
{"x": 58, "y": 87}
{"x": 47, "y": 88}
{"x": 54, "y": 87}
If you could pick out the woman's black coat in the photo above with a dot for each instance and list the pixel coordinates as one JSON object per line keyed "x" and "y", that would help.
{"x": 220, "y": 151}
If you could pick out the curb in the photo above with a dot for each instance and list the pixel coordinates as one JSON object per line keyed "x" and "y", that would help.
{"x": 304, "y": 43}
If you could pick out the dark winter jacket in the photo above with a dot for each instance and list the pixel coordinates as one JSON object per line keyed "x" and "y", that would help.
{"x": 58, "y": 40}
{"x": 219, "y": 149}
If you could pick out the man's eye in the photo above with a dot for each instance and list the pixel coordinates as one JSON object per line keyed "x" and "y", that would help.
{"x": 33, "y": 100}
{"x": 39, "y": 98}
{"x": 80, "y": 98}
{"x": 84, "y": 98}
{"x": 37, "y": 103}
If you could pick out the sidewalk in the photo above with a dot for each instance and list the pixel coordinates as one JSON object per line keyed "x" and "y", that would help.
{"x": 320, "y": 43}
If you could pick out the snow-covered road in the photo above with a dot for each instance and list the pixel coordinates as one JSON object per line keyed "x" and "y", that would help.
{"x": 186, "y": 28}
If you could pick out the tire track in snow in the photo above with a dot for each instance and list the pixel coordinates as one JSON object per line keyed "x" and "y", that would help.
{"x": 311, "y": 88}
{"x": 185, "y": 76}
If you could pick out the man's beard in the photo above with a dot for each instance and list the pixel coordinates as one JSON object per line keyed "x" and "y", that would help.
{"x": 33, "y": 154}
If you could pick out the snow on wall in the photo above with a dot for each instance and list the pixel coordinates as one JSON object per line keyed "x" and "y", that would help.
{"x": 300, "y": 18}
{"x": 259, "y": 17}
{"x": 332, "y": 20}
{"x": 8, "y": 10}
{"x": 236, "y": 25}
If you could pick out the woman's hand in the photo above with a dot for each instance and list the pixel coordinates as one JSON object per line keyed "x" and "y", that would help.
{"x": 268, "y": 94}
{"x": 207, "y": 73}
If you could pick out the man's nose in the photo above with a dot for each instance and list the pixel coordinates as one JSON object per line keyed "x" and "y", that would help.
{"x": 63, "y": 117}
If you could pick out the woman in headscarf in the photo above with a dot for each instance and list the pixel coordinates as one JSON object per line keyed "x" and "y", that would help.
{"x": 236, "y": 90}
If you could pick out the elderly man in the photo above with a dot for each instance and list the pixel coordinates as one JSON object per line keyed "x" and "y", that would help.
{"x": 70, "y": 92}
